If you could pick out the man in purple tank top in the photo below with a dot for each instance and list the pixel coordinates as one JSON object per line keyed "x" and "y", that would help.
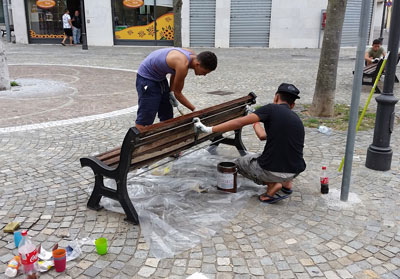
{"x": 152, "y": 84}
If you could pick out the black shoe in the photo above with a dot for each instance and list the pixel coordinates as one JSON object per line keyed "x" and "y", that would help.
{"x": 62, "y": 43}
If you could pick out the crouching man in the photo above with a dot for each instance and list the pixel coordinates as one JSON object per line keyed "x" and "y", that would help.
{"x": 282, "y": 158}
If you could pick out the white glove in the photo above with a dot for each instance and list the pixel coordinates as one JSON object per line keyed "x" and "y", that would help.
{"x": 173, "y": 100}
{"x": 249, "y": 109}
{"x": 375, "y": 60}
{"x": 198, "y": 126}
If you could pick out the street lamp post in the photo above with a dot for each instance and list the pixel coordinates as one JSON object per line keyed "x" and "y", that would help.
{"x": 383, "y": 21}
{"x": 7, "y": 20}
{"x": 84, "y": 38}
{"x": 379, "y": 154}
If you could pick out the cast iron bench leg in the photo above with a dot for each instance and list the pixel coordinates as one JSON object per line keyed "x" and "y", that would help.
{"x": 95, "y": 197}
{"x": 125, "y": 201}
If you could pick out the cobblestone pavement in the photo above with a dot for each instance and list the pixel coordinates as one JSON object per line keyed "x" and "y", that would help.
{"x": 306, "y": 236}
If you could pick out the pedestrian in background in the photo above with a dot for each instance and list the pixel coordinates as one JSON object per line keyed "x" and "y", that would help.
{"x": 67, "y": 25}
{"x": 77, "y": 24}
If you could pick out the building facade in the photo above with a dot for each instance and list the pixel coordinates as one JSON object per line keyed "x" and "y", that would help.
{"x": 205, "y": 23}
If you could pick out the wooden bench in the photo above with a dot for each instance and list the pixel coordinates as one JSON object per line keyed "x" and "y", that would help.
{"x": 371, "y": 71}
{"x": 155, "y": 142}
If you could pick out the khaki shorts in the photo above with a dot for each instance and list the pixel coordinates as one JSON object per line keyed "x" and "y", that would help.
{"x": 249, "y": 168}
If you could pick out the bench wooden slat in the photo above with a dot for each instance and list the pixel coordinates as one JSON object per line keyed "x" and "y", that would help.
{"x": 155, "y": 128}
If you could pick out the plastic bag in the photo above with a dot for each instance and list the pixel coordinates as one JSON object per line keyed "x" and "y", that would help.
{"x": 325, "y": 130}
{"x": 183, "y": 207}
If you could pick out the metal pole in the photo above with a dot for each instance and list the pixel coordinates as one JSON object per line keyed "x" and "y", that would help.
{"x": 83, "y": 30}
{"x": 379, "y": 154}
{"x": 383, "y": 21}
{"x": 355, "y": 99}
{"x": 6, "y": 20}
{"x": 320, "y": 27}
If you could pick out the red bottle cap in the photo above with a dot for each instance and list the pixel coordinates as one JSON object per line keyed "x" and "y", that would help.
{"x": 324, "y": 168}
{"x": 24, "y": 233}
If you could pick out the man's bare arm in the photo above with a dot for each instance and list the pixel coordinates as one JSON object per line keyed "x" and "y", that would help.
{"x": 236, "y": 123}
{"x": 260, "y": 131}
{"x": 177, "y": 83}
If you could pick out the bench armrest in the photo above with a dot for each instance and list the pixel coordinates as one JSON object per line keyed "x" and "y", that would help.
{"x": 98, "y": 166}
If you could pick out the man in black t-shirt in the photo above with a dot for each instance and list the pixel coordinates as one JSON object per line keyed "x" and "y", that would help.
{"x": 76, "y": 31}
{"x": 282, "y": 158}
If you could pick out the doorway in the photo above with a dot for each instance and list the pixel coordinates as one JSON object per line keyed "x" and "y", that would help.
{"x": 45, "y": 23}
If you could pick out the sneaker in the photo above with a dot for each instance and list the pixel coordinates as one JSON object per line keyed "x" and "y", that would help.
{"x": 62, "y": 43}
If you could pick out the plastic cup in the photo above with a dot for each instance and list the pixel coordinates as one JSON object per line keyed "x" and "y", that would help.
{"x": 101, "y": 245}
{"x": 17, "y": 238}
{"x": 60, "y": 259}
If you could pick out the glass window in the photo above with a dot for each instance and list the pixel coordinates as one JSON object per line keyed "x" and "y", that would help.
{"x": 46, "y": 23}
{"x": 137, "y": 19}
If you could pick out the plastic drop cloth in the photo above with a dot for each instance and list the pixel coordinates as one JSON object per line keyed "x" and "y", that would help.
{"x": 174, "y": 215}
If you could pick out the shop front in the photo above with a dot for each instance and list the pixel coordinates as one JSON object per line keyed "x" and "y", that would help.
{"x": 143, "y": 22}
{"x": 45, "y": 19}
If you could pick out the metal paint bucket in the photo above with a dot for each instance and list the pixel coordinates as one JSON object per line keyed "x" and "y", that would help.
{"x": 226, "y": 177}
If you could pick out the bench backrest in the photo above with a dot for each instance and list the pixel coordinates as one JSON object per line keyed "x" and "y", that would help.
{"x": 164, "y": 139}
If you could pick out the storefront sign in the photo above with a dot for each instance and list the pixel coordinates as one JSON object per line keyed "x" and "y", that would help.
{"x": 45, "y": 4}
{"x": 133, "y": 3}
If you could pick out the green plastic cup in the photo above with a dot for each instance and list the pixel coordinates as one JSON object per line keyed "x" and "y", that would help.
{"x": 101, "y": 245}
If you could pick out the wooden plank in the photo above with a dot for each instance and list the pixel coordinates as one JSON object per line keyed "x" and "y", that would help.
{"x": 187, "y": 118}
{"x": 203, "y": 138}
{"x": 156, "y": 144}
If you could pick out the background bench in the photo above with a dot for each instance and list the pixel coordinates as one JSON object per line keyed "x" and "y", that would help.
{"x": 371, "y": 71}
{"x": 155, "y": 142}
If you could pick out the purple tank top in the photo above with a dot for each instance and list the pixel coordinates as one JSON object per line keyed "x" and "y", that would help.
{"x": 155, "y": 66}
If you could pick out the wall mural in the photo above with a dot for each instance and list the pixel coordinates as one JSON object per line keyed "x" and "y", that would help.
{"x": 165, "y": 27}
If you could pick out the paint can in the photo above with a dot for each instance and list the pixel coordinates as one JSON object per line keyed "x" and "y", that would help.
{"x": 226, "y": 177}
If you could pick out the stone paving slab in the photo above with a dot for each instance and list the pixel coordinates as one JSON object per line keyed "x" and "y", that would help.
{"x": 306, "y": 236}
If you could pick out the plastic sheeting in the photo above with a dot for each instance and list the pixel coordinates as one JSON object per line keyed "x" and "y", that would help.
{"x": 179, "y": 205}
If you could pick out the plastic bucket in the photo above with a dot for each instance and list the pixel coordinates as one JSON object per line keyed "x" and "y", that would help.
{"x": 226, "y": 177}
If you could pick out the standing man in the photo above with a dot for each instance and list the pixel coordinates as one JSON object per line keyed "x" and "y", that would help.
{"x": 152, "y": 85}
{"x": 282, "y": 158}
{"x": 77, "y": 24}
{"x": 375, "y": 52}
{"x": 67, "y": 25}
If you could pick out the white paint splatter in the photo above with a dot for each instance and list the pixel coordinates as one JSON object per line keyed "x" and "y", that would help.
{"x": 333, "y": 199}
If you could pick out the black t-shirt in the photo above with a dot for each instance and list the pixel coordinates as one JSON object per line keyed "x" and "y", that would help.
{"x": 283, "y": 151}
{"x": 76, "y": 22}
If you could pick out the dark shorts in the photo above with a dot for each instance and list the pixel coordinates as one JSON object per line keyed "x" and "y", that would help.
{"x": 68, "y": 32}
{"x": 153, "y": 99}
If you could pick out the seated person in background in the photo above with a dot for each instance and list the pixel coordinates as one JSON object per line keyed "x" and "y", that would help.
{"x": 374, "y": 53}
{"x": 282, "y": 158}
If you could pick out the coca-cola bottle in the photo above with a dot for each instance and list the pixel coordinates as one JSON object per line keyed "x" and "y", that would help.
{"x": 324, "y": 181}
{"x": 29, "y": 257}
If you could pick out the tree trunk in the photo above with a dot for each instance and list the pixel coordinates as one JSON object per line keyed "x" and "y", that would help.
{"x": 4, "y": 75}
{"x": 324, "y": 94}
{"x": 177, "y": 23}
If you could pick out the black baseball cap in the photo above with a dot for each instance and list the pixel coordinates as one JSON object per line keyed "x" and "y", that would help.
{"x": 289, "y": 89}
